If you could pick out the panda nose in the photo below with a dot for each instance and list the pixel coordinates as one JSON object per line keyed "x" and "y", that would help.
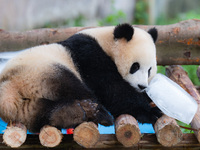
{"x": 142, "y": 87}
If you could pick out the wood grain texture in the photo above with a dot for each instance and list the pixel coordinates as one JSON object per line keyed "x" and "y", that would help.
{"x": 127, "y": 130}
{"x": 168, "y": 131}
{"x": 50, "y": 136}
{"x": 109, "y": 141}
{"x": 86, "y": 134}
{"x": 15, "y": 134}
{"x": 177, "y": 43}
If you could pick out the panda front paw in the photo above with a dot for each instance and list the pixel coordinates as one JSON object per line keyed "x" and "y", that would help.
{"x": 96, "y": 112}
{"x": 156, "y": 114}
{"x": 103, "y": 116}
{"x": 149, "y": 116}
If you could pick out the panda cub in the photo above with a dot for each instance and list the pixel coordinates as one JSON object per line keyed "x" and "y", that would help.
{"x": 66, "y": 83}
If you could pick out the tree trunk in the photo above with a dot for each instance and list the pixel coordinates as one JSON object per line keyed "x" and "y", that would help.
{"x": 177, "y": 43}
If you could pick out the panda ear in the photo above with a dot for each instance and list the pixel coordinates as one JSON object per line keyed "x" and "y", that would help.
{"x": 123, "y": 31}
{"x": 154, "y": 33}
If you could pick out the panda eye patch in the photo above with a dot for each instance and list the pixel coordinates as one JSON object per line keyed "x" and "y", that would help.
{"x": 149, "y": 72}
{"x": 135, "y": 67}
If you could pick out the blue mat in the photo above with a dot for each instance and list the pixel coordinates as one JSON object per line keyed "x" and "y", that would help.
{"x": 144, "y": 128}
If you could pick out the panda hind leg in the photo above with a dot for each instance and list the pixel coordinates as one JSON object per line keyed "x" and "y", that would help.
{"x": 71, "y": 115}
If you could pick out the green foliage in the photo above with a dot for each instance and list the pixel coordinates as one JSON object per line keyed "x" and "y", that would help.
{"x": 192, "y": 73}
{"x": 141, "y": 12}
{"x": 79, "y": 21}
{"x": 184, "y": 125}
{"x": 163, "y": 20}
{"x": 161, "y": 69}
{"x": 113, "y": 19}
{"x": 118, "y": 16}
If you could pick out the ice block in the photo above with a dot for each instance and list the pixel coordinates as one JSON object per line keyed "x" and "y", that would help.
{"x": 172, "y": 99}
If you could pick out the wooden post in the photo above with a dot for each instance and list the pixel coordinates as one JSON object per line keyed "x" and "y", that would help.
{"x": 177, "y": 74}
{"x": 15, "y": 134}
{"x": 127, "y": 130}
{"x": 86, "y": 134}
{"x": 50, "y": 136}
{"x": 167, "y": 131}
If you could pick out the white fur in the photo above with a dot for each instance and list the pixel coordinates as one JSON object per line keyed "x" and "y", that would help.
{"x": 40, "y": 57}
{"x": 140, "y": 48}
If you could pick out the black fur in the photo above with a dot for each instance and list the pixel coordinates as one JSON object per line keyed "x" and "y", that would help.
{"x": 123, "y": 31}
{"x": 154, "y": 34}
{"x": 100, "y": 74}
{"x": 69, "y": 103}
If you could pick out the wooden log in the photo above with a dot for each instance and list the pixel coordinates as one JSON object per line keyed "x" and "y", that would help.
{"x": 86, "y": 134}
{"x": 177, "y": 74}
{"x": 50, "y": 136}
{"x": 167, "y": 131}
{"x": 127, "y": 130}
{"x": 177, "y": 43}
{"x": 15, "y": 134}
{"x": 108, "y": 141}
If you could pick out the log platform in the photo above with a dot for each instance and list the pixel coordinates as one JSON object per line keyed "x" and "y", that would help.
{"x": 108, "y": 141}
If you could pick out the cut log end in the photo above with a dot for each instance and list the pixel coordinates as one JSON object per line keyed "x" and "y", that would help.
{"x": 167, "y": 131}
{"x": 86, "y": 134}
{"x": 169, "y": 136}
{"x": 15, "y": 135}
{"x": 127, "y": 130}
{"x": 50, "y": 136}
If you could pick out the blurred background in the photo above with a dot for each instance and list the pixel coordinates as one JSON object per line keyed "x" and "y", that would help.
{"x": 22, "y": 15}
{"x": 19, "y": 15}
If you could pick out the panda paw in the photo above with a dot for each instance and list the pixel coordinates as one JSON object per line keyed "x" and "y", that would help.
{"x": 156, "y": 114}
{"x": 103, "y": 116}
{"x": 96, "y": 112}
{"x": 149, "y": 116}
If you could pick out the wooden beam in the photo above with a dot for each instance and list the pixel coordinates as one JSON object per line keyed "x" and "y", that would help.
{"x": 109, "y": 141}
{"x": 177, "y": 44}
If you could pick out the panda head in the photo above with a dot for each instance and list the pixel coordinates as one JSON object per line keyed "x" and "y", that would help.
{"x": 136, "y": 58}
{"x": 133, "y": 51}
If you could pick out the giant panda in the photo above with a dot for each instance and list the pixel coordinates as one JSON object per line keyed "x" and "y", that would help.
{"x": 66, "y": 83}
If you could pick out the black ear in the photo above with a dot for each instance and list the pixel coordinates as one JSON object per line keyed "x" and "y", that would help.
{"x": 154, "y": 33}
{"x": 123, "y": 31}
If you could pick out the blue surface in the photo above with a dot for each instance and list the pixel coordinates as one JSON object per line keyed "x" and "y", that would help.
{"x": 144, "y": 128}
